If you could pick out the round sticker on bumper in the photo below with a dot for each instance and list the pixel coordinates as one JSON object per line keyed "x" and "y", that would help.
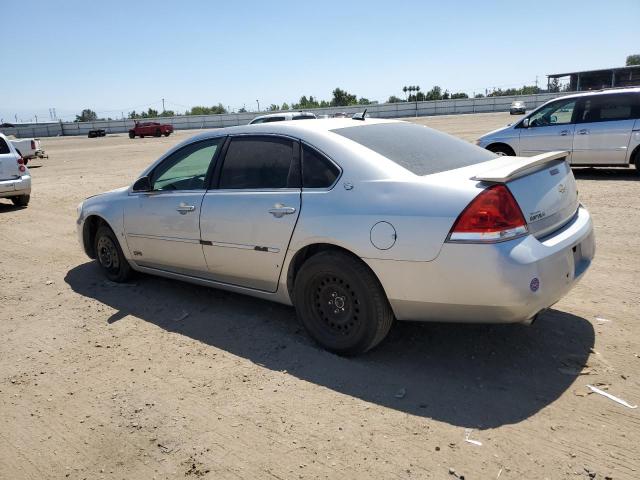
{"x": 535, "y": 284}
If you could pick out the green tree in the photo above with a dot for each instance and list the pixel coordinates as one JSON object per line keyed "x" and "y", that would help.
{"x": 273, "y": 108}
{"x": 200, "y": 110}
{"x": 459, "y": 95}
{"x": 242, "y": 110}
{"x": 285, "y": 106}
{"x": 87, "y": 115}
{"x": 167, "y": 113}
{"x": 364, "y": 101}
{"x": 633, "y": 60}
{"x": 434, "y": 94}
{"x": 479, "y": 95}
{"x": 342, "y": 98}
{"x": 554, "y": 85}
{"x": 394, "y": 99}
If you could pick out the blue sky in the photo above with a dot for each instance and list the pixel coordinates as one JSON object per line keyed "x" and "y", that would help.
{"x": 115, "y": 56}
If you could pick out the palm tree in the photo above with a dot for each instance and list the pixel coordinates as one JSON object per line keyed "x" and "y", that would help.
{"x": 404, "y": 89}
{"x": 417, "y": 91}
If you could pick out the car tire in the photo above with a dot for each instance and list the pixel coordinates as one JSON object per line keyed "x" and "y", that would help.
{"x": 501, "y": 150}
{"x": 166, "y": 134}
{"x": 21, "y": 200}
{"x": 132, "y": 135}
{"x": 110, "y": 257}
{"x": 341, "y": 303}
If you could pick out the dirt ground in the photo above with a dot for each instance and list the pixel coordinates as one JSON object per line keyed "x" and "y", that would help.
{"x": 162, "y": 379}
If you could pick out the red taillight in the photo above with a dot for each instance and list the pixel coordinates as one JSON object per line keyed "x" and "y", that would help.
{"x": 20, "y": 161}
{"x": 33, "y": 144}
{"x": 21, "y": 167}
{"x": 492, "y": 216}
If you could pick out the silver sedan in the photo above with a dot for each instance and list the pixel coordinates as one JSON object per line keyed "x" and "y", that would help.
{"x": 354, "y": 222}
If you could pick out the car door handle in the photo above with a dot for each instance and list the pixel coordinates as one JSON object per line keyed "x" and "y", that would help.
{"x": 184, "y": 209}
{"x": 279, "y": 211}
{"x": 584, "y": 131}
{"x": 564, "y": 132}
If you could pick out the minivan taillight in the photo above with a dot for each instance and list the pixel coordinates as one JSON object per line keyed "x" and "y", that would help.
{"x": 21, "y": 167}
{"x": 493, "y": 216}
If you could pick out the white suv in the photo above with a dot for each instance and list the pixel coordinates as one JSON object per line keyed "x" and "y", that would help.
{"x": 281, "y": 117}
{"x": 596, "y": 128}
{"x": 15, "y": 180}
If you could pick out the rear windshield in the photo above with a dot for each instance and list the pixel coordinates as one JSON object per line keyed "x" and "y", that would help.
{"x": 419, "y": 149}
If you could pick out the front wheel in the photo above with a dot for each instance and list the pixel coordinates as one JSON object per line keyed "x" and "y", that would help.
{"x": 341, "y": 303}
{"x": 166, "y": 134}
{"x": 132, "y": 135}
{"x": 21, "y": 201}
{"x": 110, "y": 257}
{"x": 501, "y": 150}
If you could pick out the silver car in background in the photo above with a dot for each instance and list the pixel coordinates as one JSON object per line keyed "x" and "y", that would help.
{"x": 518, "y": 107}
{"x": 355, "y": 222}
{"x": 596, "y": 128}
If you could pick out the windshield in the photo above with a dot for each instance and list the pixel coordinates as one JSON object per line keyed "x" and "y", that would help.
{"x": 419, "y": 149}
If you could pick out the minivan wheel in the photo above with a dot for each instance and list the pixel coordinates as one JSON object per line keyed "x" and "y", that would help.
{"x": 21, "y": 201}
{"x": 501, "y": 150}
{"x": 341, "y": 303}
{"x": 110, "y": 257}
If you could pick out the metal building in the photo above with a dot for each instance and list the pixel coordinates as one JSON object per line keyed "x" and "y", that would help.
{"x": 599, "y": 79}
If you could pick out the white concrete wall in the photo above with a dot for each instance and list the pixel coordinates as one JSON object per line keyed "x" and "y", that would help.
{"x": 382, "y": 110}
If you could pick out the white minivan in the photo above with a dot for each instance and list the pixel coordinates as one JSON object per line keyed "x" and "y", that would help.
{"x": 15, "y": 180}
{"x": 596, "y": 128}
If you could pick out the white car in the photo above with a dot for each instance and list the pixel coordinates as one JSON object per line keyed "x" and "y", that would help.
{"x": 596, "y": 128}
{"x": 356, "y": 222}
{"x": 15, "y": 180}
{"x": 282, "y": 117}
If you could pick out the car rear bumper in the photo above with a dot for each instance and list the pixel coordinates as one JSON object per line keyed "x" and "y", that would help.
{"x": 508, "y": 282}
{"x": 15, "y": 187}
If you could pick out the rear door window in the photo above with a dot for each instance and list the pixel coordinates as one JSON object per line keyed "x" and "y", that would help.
{"x": 260, "y": 162}
{"x": 419, "y": 149}
{"x": 605, "y": 108}
{"x": 317, "y": 170}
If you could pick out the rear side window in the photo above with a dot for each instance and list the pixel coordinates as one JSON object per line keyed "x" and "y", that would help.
{"x": 603, "y": 108}
{"x": 303, "y": 117}
{"x": 419, "y": 149}
{"x": 260, "y": 162}
{"x": 317, "y": 170}
{"x": 4, "y": 148}
{"x": 272, "y": 119}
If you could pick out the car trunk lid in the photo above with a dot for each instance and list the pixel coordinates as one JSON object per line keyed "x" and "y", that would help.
{"x": 543, "y": 186}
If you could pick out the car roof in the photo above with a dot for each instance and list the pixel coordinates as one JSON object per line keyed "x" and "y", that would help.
{"x": 292, "y": 127}
{"x": 609, "y": 91}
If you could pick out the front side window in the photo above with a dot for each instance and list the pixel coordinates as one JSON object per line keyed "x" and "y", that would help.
{"x": 605, "y": 108}
{"x": 187, "y": 168}
{"x": 317, "y": 170}
{"x": 260, "y": 163}
{"x": 556, "y": 113}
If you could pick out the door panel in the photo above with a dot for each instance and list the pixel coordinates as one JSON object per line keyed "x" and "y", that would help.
{"x": 604, "y": 127}
{"x": 245, "y": 235}
{"x": 163, "y": 231}
{"x": 162, "y": 226}
{"x": 602, "y": 142}
{"x": 550, "y": 128}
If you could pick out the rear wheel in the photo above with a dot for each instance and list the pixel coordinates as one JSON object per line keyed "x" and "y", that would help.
{"x": 341, "y": 303}
{"x": 132, "y": 134}
{"x": 110, "y": 257}
{"x": 21, "y": 201}
{"x": 502, "y": 150}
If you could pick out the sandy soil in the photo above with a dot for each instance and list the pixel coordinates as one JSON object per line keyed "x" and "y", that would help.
{"x": 162, "y": 379}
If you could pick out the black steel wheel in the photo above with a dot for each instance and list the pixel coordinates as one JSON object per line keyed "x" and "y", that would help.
{"x": 110, "y": 257}
{"x": 341, "y": 303}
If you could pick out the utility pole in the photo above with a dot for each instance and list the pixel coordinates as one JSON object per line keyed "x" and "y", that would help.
{"x": 258, "y": 102}
{"x": 36, "y": 118}
{"x": 163, "y": 105}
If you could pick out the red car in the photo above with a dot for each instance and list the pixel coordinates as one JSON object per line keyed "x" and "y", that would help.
{"x": 150, "y": 129}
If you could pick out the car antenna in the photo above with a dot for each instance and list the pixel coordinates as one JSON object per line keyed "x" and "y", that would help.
{"x": 359, "y": 116}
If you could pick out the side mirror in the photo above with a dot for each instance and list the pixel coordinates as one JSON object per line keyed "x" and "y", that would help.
{"x": 525, "y": 123}
{"x": 143, "y": 184}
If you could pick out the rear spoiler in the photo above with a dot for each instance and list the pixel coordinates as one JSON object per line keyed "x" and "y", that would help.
{"x": 516, "y": 167}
